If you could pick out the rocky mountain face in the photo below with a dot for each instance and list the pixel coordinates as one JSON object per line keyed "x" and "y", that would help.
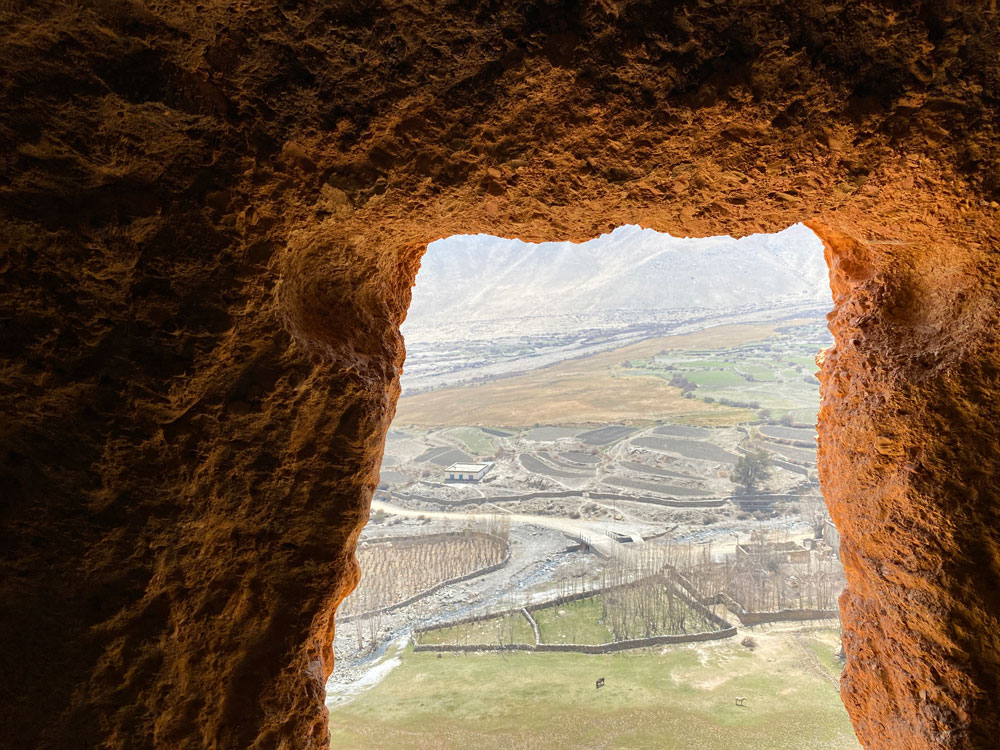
{"x": 211, "y": 215}
{"x": 631, "y": 276}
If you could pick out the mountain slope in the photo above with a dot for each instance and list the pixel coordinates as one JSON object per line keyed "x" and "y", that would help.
{"x": 630, "y": 275}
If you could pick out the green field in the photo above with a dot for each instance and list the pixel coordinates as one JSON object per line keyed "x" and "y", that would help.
{"x": 759, "y": 371}
{"x": 777, "y": 368}
{"x": 588, "y": 390}
{"x": 475, "y": 439}
{"x": 694, "y": 364}
{"x": 679, "y": 697}
{"x": 713, "y": 377}
{"x": 582, "y": 621}
{"x": 513, "y": 628}
{"x": 574, "y": 622}
{"x": 809, "y": 362}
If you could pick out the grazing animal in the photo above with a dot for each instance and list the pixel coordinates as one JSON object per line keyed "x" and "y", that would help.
{"x": 600, "y": 682}
{"x": 741, "y": 701}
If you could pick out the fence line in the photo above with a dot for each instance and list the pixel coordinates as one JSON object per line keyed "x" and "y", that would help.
{"x": 726, "y": 629}
{"x": 585, "y": 648}
{"x": 427, "y": 592}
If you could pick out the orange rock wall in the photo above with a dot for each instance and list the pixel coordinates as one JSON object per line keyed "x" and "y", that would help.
{"x": 210, "y": 218}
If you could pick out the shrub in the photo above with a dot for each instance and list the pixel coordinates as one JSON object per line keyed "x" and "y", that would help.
{"x": 749, "y": 642}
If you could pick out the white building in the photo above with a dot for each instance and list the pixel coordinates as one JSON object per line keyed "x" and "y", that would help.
{"x": 468, "y": 472}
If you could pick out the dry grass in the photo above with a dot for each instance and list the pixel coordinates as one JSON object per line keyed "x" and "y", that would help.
{"x": 581, "y": 391}
{"x": 675, "y": 698}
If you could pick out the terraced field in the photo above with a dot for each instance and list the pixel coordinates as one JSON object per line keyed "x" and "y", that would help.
{"x": 580, "y": 458}
{"x": 561, "y": 463}
{"x": 682, "y": 430}
{"x": 806, "y": 434}
{"x": 655, "y": 487}
{"x": 443, "y": 456}
{"x": 546, "y": 434}
{"x": 532, "y": 464}
{"x": 656, "y": 470}
{"x": 688, "y": 448}
{"x": 605, "y": 435}
{"x": 800, "y": 455}
{"x": 495, "y": 432}
{"x": 476, "y": 440}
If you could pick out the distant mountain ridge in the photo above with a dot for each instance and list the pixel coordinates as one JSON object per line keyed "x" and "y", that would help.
{"x": 631, "y": 274}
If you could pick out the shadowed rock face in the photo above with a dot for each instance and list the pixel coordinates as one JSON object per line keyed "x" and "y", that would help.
{"x": 211, "y": 218}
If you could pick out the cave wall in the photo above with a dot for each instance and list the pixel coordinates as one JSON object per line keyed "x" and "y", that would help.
{"x": 211, "y": 218}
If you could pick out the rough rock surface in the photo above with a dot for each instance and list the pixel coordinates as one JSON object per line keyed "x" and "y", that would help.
{"x": 210, "y": 218}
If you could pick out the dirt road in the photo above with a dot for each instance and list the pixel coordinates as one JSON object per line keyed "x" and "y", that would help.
{"x": 592, "y": 531}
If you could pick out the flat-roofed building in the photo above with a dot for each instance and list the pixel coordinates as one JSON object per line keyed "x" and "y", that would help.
{"x": 471, "y": 472}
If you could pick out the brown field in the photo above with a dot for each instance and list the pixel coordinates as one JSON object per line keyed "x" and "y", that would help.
{"x": 586, "y": 390}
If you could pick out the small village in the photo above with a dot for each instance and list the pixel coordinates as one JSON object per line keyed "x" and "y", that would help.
{"x": 599, "y": 523}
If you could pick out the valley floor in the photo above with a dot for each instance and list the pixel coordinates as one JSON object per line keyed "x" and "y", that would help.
{"x": 677, "y": 697}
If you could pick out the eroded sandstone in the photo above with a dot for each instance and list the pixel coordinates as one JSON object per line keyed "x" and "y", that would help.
{"x": 211, "y": 219}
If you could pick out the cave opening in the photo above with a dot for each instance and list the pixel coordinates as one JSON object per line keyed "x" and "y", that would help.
{"x": 212, "y": 217}
{"x": 601, "y": 448}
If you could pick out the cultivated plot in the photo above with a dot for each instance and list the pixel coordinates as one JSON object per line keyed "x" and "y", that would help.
{"x": 536, "y": 466}
{"x": 799, "y": 455}
{"x": 697, "y": 449}
{"x": 596, "y": 389}
{"x": 680, "y": 430}
{"x": 580, "y": 458}
{"x": 548, "y": 434}
{"x": 789, "y": 433}
{"x": 656, "y": 470}
{"x": 605, "y": 435}
{"x": 658, "y": 488}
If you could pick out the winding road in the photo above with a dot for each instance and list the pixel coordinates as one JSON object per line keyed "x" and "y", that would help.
{"x": 593, "y": 531}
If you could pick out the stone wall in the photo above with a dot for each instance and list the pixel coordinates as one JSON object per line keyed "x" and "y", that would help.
{"x": 585, "y": 648}
{"x": 785, "y": 615}
{"x": 725, "y": 629}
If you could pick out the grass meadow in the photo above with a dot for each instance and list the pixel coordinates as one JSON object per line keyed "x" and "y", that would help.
{"x": 679, "y": 697}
